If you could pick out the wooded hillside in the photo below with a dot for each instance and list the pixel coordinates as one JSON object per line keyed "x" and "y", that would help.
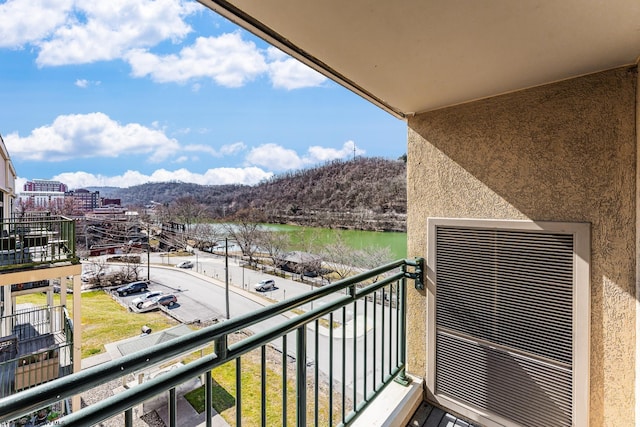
{"x": 365, "y": 193}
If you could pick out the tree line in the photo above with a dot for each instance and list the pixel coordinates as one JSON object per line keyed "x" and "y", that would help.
{"x": 366, "y": 193}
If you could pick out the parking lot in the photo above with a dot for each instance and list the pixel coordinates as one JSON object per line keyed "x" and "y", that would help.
{"x": 195, "y": 302}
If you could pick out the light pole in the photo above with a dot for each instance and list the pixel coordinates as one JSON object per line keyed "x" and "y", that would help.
{"x": 149, "y": 252}
{"x": 197, "y": 268}
{"x": 226, "y": 273}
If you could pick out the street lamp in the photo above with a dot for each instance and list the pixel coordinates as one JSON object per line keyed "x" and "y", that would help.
{"x": 226, "y": 273}
{"x": 149, "y": 252}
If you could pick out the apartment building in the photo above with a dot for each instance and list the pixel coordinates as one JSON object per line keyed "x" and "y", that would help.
{"x": 37, "y": 251}
{"x": 45, "y": 185}
{"x": 84, "y": 200}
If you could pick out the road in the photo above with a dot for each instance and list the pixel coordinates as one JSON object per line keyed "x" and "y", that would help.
{"x": 201, "y": 297}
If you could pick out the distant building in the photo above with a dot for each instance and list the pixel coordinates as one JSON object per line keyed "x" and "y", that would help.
{"x": 42, "y": 199}
{"x": 43, "y": 185}
{"x": 84, "y": 200}
{"x": 42, "y": 193}
{"x": 106, "y": 202}
{"x": 108, "y": 213}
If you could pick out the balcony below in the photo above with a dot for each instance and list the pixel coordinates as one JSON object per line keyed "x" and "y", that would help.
{"x": 35, "y": 348}
{"x": 36, "y": 241}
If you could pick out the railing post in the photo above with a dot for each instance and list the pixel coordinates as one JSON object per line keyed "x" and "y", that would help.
{"x": 173, "y": 408}
{"x": 208, "y": 388}
{"x": 301, "y": 376}
{"x": 220, "y": 346}
{"x": 401, "y": 307}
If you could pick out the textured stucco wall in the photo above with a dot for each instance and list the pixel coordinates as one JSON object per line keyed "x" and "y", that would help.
{"x": 561, "y": 152}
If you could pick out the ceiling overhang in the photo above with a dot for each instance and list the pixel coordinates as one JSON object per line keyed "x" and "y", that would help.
{"x": 412, "y": 56}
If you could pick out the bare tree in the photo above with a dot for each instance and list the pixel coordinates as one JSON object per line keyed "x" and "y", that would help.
{"x": 372, "y": 256}
{"x": 207, "y": 235}
{"x": 23, "y": 206}
{"x": 64, "y": 206}
{"x": 187, "y": 210}
{"x": 98, "y": 272}
{"x": 245, "y": 231}
{"x": 275, "y": 244}
{"x": 131, "y": 270}
{"x": 340, "y": 257}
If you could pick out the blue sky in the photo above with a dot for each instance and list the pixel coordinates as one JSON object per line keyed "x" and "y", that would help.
{"x": 125, "y": 92}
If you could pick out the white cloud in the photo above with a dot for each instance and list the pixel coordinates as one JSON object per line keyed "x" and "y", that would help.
{"x": 247, "y": 176}
{"x": 90, "y": 135}
{"x": 65, "y": 32}
{"x": 106, "y": 30}
{"x": 288, "y": 73}
{"x": 234, "y": 148}
{"x": 96, "y": 135}
{"x": 228, "y": 60}
{"x": 26, "y": 22}
{"x": 323, "y": 154}
{"x": 274, "y": 157}
{"x": 181, "y": 159}
{"x": 278, "y": 158}
{"x": 84, "y": 83}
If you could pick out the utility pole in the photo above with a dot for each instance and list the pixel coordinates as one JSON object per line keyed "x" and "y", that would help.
{"x": 149, "y": 252}
{"x": 226, "y": 273}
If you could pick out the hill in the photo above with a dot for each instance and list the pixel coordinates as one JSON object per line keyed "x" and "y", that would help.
{"x": 366, "y": 193}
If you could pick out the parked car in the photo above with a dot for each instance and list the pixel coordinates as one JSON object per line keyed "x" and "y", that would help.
{"x": 265, "y": 285}
{"x": 88, "y": 276}
{"x": 185, "y": 264}
{"x": 132, "y": 288}
{"x": 137, "y": 302}
{"x": 57, "y": 289}
{"x": 168, "y": 300}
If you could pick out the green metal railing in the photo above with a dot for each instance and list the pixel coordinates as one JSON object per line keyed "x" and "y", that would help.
{"x": 38, "y": 240}
{"x": 342, "y": 353}
{"x": 38, "y": 347}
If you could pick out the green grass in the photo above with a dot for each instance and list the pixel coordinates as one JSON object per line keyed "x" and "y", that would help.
{"x": 224, "y": 395}
{"x": 104, "y": 320}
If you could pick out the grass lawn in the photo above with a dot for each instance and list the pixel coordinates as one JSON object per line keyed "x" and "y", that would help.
{"x": 104, "y": 320}
{"x": 224, "y": 393}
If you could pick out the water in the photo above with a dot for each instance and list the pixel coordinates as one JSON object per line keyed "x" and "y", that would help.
{"x": 311, "y": 238}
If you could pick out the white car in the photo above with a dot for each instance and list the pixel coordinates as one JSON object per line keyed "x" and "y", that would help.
{"x": 265, "y": 285}
{"x": 185, "y": 264}
{"x": 137, "y": 302}
{"x": 88, "y": 276}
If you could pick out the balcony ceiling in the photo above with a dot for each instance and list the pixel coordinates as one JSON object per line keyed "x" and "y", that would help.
{"x": 411, "y": 56}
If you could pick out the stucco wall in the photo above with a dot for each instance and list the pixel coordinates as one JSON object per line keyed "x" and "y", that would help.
{"x": 561, "y": 152}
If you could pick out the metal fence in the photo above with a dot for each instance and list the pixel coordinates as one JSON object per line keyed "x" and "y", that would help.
{"x": 331, "y": 361}
{"x": 38, "y": 348}
{"x": 36, "y": 240}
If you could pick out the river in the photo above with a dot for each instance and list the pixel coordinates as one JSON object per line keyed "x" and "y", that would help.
{"x": 357, "y": 239}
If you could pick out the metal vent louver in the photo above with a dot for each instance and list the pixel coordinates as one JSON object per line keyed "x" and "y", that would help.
{"x": 504, "y": 322}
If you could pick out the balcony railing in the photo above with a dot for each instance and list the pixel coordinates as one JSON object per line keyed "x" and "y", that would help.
{"x": 345, "y": 343}
{"x": 38, "y": 240}
{"x": 36, "y": 347}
